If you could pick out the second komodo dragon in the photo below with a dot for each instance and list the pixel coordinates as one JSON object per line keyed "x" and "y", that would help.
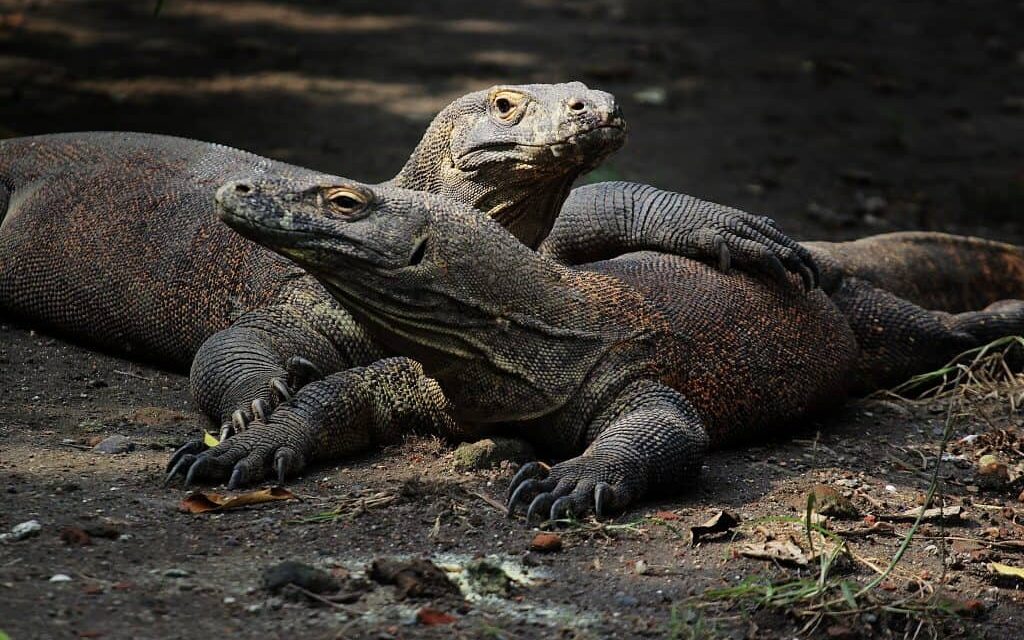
{"x": 112, "y": 238}
{"x": 630, "y": 367}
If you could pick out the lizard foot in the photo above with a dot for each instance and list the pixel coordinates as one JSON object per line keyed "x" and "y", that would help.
{"x": 249, "y": 457}
{"x": 755, "y": 244}
{"x": 280, "y": 389}
{"x": 571, "y": 488}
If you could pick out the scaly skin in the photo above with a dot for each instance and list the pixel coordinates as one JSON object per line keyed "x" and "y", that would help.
{"x": 630, "y": 367}
{"x": 111, "y": 238}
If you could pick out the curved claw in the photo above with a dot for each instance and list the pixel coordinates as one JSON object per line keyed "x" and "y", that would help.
{"x": 179, "y": 467}
{"x": 519, "y": 495}
{"x": 283, "y": 461}
{"x": 724, "y": 258}
{"x": 260, "y": 409}
{"x": 195, "y": 469}
{"x": 775, "y": 268}
{"x": 540, "y": 506}
{"x": 808, "y": 277}
{"x": 191, "y": 447}
{"x": 226, "y": 431}
{"x": 562, "y": 508}
{"x": 240, "y": 420}
{"x": 527, "y": 471}
{"x": 301, "y": 372}
{"x": 602, "y": 495}
{"x": 279, "y": 391}
{"x": 239, "y": 478}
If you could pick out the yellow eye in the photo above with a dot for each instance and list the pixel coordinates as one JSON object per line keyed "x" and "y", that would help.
{"x": 346, "y": 200}
{"x": 506, "y": 104}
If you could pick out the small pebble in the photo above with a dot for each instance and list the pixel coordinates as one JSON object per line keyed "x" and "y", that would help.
{"x": 546, "y": 543}
{"x": 177, "y": 573}
{"x": 114, "y": 444}
{"x": 22, "y": 530}
{"x": 60, "y": 577}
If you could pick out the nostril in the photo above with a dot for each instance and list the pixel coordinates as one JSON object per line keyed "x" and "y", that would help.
{"x": 242, "y": 188}
{"x": 577, "y": 105}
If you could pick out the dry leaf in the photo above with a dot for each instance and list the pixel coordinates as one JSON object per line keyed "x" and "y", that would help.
{"x": 719, "y": 523}
{"x": 785, "y": 551}
{"x": 209, "y": 439}
{"x": 1006, "y": 570}
{"x": 667, "y": 515}
{"x": 199, "y": 502}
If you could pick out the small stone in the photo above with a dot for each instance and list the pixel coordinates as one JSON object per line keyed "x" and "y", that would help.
{"x": 22, "y": 530}
{"x": 625, "y": 600}
{"x": 546, "y": 543}
{"x": 60, "y": 577}
{"x": 96, "y": 384}
{"x": 177, "y": 573}
{"x": 278, "y": 576}
{"x": 229, "y": 600}
{"x": 641, "y": 568}
{"x": 114, "y": 444}
{"x": 490, "y": 452}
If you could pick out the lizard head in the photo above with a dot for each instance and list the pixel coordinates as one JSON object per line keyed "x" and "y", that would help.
{"x": 499, "y": 326}
{"x": 513, "y": 151}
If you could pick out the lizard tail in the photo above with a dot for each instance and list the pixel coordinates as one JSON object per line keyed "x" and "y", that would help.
{"x": 936, "y": 271}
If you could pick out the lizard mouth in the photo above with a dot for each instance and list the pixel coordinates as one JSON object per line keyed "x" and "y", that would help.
{"x": 600, "y": 141}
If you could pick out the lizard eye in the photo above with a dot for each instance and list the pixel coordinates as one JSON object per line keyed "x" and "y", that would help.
{"x": 346, "y": 200}
{"x": 506, "y": 105}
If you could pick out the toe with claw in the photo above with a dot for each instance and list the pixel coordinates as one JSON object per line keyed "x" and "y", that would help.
{"x": 570, "y": 489}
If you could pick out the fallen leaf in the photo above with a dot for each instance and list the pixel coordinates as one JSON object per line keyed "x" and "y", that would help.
{"x": 1006, "y": 570}
{"x": 784, "y": 551}
{"x": 209, "y": 439}
{"x": 719, "y": 523}
{"x": 433, "y": 617}
{"x": 199, "y": 502}
{"x": 667, "y": 515}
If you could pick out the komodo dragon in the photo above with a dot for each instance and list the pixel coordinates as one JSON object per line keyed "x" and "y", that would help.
{"x": 111, "y": 238}
{"x": 631, "y": 367}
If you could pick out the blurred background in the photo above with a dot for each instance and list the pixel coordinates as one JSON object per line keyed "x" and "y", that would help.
{"x": 837, "y": 118}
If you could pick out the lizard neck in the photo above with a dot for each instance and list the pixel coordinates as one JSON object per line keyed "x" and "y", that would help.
{"x": 525, "y": 202}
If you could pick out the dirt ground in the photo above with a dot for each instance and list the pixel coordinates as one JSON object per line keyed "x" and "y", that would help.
{"x": 838, "y": 119}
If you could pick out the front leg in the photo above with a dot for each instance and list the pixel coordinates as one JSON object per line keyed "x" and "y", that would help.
{"x": 653, "y": 442}
{"x": 242, "y": 373}
{"x": 343, "y": 414}
{"x": 605, "y": 220}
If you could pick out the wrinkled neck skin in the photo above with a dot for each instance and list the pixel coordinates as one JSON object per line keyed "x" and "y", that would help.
{"x": 523, "y": 201}
{"x": 507, "y": 344}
